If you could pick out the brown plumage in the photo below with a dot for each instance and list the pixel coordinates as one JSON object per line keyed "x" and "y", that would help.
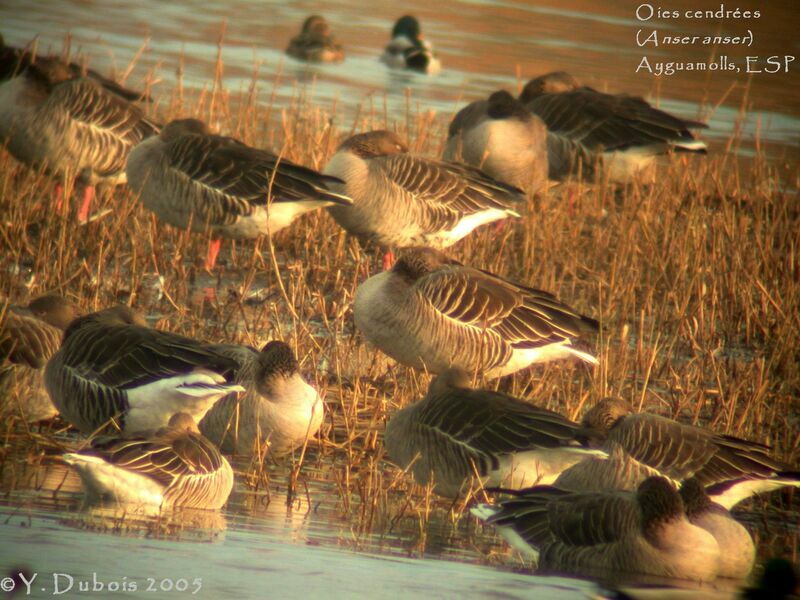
{"x": 646, "y": 532}
{"x": 402, "y": 200}
{"x": 112, "y": 367}
{"x": 188, "y": 175}
{"x": 72, "y": 124}
{"x": 175, "y": 467}
{"x": 502, "y": 138}
{"x": 432, "y": 312}
{"x": 730, "y": 468}
{"x": 456, "y": 432}
{"x": 737, "y": 551}
{"x": 29, "y": 337}
{"x": 620, "y": 132}
{"x": 15, "y": 60}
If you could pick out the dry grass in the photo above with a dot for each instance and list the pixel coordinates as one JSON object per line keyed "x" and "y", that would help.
{"x": 696, "y": 281}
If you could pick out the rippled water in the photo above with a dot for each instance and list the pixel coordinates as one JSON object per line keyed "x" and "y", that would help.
{"x": 259, "y": 546}
{"x": 483, "y": 46}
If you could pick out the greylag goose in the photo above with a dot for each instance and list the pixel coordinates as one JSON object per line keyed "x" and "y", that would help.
{"x": 315, "y": 43}
{"x": 174, "y": 468}
{"x": 279, "y": 408}
{"x": 502, "y": 138}
{"x": 455, "y": 433}
{"x": 737, "y": 551}
{"x": 407, "y": 49}
{"x": 29, "y": 337}
{"x": 189, "y": 176}
{"x": 402, "y": 200}
{"x": 431, "y": 312}
{"x": 71, "y": 125}
{"x": 646, "y": 532}
{"x": 641, "y": 444}
{"x": 619, "y": 133}
{"x": 14, "y": 60}
{"x": 112, "y": 367}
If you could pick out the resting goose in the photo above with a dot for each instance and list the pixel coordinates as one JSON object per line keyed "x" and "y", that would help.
{"x": 402, "y": 200}
{"x": 619, "y": 133}
{"x": 431, "y": 312}
{"x": 737, "y": 551}
{"x": 29, "y": 337}
{"x": 189, "y": 176}
{"x": 407, "y": 49}
{"x": 111, "y": 366}
{"x": 72, "y": 125}
{"x": 315, "y": 43}
{"x": 174, "y": 468}
{"x": 646, "y": 532}
{"x": 14, "y": 60}
{"x": 455, "y": 432}
{"x": 641, "y": 444}
{"x": 278, "y": 409}
{"x": 502, "y": 138}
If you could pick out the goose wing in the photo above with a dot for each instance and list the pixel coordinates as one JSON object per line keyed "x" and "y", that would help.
{"x": 27, "y": 340}
{"x": 545, "y": 514}
{"x": 677, "y": 451}
{"x": 127, "y": 356}
{"x": 447, "y": 191}
{"x": 246, "y": 177}
{"x": 609, "y": 122}
{"x": 107, "y": 121}
{"x": 164, "y": 459}
{"x": 523, "y": 317}
{"x": 493, "y": 423}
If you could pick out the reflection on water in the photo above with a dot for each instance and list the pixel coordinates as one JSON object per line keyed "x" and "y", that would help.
{"x": 302, "y": 543}
{"x": 258, "y": 545}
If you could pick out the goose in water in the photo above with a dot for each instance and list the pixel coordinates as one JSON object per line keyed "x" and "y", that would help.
{"x": 502, "y": 138}
{"x": 68, "y": 123}
{"x": 590, "y": 532}
{"x": 278, "y": 409}
{"x": 408, "y": 50}
{"x": 431, "y": 312}
{"x": 29, "y": 337}
{"x": 455, "y": 433}
{"x": 592, "y": 134}
{"x": 176, "y": 467}
{"x": 189, "y": 176}
{"x": 112, "y": 368}
{"x": 315, "y": 42}
{"x": 641, "y": 444}
{"x": 402, "y": 200}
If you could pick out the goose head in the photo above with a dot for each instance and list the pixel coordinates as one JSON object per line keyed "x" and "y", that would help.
{"x": 503, "y": 105}
{"x": 373, "y": 144}
{"x": 54, "y": 310}
{"x": 180, "y": 127}
{"x": 659, "y": 503}
{"x": 605, "y": 414}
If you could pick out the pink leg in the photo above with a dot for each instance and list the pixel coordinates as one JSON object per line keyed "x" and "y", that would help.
{"x": 83, "y": 212}
{"x": 500, "y": 225}
{"x": 213, "y": 252}
{"x": 59, "y": 193}
{"x": 388, "y": 260}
